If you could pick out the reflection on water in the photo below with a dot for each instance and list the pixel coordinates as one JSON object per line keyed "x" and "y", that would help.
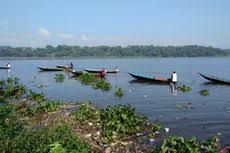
{"x": 173, "y": 88}
{"x": 157, "y": 101}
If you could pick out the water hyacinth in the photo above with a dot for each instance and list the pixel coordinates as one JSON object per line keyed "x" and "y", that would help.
{"x": 94, "y": 82}
{"x": 59, "y": 77}
{"x": 184, "y": 88}
{"x": 204, "y": 92}
{"x": 118, "y": 92}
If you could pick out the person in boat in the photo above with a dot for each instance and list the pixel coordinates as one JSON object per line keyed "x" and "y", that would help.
{"x": 117, "y": 69}
{"x": 104, "y": 71}
{"x": 8, "y": 65}
{"x": 174, "y": 77}
{"x": 71, "y": 65}
{"x": 174, "y": 82}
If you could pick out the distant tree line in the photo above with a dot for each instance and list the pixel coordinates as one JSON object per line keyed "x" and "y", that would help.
{"x": 106, "y": 51}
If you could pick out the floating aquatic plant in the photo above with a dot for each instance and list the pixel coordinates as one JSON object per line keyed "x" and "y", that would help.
{"x": 204, "y": 92}
{"x": 184, "y": 88}
{"x": 118, "y": 92}
{"x": 59, "y": 77}
{"x": 96, "y": 83}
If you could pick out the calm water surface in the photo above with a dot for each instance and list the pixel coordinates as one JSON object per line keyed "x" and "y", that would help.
{"x": 211, "y": 114}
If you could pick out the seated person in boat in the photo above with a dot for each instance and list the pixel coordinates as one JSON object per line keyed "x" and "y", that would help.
{"x": 70, "y": 66}
{"x": 104, "y": 71}
{"x": 8, "y": 65}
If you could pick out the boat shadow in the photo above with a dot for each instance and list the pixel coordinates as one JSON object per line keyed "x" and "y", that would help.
{"x": 148, "y": 82}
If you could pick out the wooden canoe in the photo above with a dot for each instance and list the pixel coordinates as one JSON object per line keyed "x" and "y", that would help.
{"x": 61, "y": 66}
{"x": 49, "y": 69}
{"x": 215, "y": 78}
{"x": 4, "y": 67}
{"x": 98, "y": 71}
{"x": 77, "y": 73}
{"x": 149, "y": 78}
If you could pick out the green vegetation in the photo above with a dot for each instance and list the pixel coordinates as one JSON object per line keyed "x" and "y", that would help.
{"x": 204, "y": 92}
{"x": 120, "y": 120}
{"x": 96, "y": 83}
{"x": 39, "y": 97}
{"x": 88, "y": 113}
{"x": 11, "y": 88}
{"x": 105, "y": 51}
{"x": 20, "y": 139}
{"x": 184, "y": 106}
{"x": 116, "y": 121}
{"x": 155, "y": 127}
{"x": 184, "y": 88}
{"x": 191, "y": 145}
{"x": 43, "y": 107}
{"x": 59, "y": 77}
{"x": 118, "y": 92}
{"x": 57, "y": 148}
{"x": 40, "y": 125}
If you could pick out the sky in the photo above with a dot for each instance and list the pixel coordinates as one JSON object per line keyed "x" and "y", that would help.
{"x": 37, "y": 23}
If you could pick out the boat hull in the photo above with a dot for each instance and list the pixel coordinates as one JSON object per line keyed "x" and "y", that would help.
{"x": 49, "y": 69}
{"x": 149, "y": 78}
{"x": 98, "y": 71}
{"x": 61, "y": 67}
{"x": 76, "y": 73}
{"x": 215, "y": 79}
{"x": 4, "y": 67}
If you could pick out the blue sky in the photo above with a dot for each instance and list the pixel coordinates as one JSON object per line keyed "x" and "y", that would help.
{"x": 115, "y": 22}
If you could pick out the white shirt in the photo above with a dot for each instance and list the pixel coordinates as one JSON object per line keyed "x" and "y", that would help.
{"x": 8, "y": 65}
{"x": 174, "y": 77}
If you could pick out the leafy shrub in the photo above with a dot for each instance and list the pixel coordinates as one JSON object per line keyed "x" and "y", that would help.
{"x": 43, "y": 107}
{"x": 39, "y": 97}
{"x": 39, "y": 140}
{"x": 120, "y": 119}
{"x": 179, "y": 144}
{"x": 87, "y": 112}
{"x": 57, "y": 148}
{"x": 11, "y": 88}
{"x": 155, "y": 127}
{"x": 10, "y": 126}
{"x": 59, "y": 77}
{"x": 212, "y": 145}
{"x": 204, "y": 92}
{"x": 96, "y": 83}
{"x": 118, "y": 92}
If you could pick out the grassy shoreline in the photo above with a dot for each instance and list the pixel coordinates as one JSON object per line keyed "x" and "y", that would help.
{"x": 32, "y": 123}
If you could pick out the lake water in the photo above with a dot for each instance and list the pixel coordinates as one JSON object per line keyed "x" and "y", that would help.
{"x": 210, "y": 116}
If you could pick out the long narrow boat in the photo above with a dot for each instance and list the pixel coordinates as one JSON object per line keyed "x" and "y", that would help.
{"x": 215, "y": 78}
{"x": 49, "y": 69}
{"x": 149, "y": 78}
{"x": 77, "y": 73}
{"x": 98, "y": 71}
{"x": 61, "y": 66}
{"x": 4, "y": 67}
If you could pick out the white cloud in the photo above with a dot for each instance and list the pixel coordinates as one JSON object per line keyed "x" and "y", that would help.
{"x": 43, "y": 32}
{"x": 66, "y": 36}
{"x": 84, "y": 37}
